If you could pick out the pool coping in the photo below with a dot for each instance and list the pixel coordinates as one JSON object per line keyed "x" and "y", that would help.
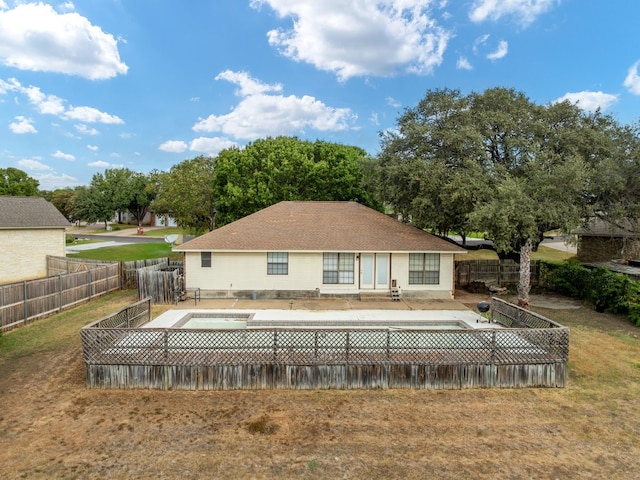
{"x": 327, "y": 318}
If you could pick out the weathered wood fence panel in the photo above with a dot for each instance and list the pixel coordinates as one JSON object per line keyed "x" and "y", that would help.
{"x": 163, "y": 284}
{"x": 492, "y": 272}
{"x": 130, "y": 269}
{"x": 24, "y": 302}
{"x": 535, "y": 354}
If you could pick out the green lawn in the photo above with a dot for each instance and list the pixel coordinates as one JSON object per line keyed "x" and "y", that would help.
{"x": 127, "y": 253}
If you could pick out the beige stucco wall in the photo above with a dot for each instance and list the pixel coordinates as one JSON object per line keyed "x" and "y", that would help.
{"x": 24, "y": 252}
{"x": 232, "y": 272}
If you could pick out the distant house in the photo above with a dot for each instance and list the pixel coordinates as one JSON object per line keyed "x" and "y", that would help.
{"x": 303, "y": 249}
{"x": 30, "y": 229}
{"x": 600, "y": 241}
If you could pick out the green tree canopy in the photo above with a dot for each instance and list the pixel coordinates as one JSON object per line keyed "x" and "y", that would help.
{"x": 17, "y": 183}
{"x": 284, "y": 168}
{"x": 494, "y": 162}
{"x": 187, "y": 193}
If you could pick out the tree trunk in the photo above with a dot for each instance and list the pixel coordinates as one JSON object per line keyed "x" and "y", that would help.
{"x": 525, "y": 274}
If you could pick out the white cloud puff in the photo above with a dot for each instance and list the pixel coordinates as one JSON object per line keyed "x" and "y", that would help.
{"x": 22, "y": 125}
{"x": 29, "y": 164}
{"x": 463, "y": 64}
{"x": 259, "y": 114}
{"x": 53, "y": 105}
{"x": 63, "y": 156}
{"x": 173, "y": 146}
{"x": 365, "y": 37}
{"x": 211, "y": 146}
{"x": 632, "y": 80}
{"x": 589, "y": 101}
{"x": 91, "y": 115}
{"x": 524, "y": 11}
{"x": 84, "y": 130}
{"x": 500, "y": 52}
{"x": 51, "y": 181}
{"x": 33, "y": 36}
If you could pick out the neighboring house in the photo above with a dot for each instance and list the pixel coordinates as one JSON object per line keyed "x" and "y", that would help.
{"x": 306, "y": 249}
{"x": 30, "y": 229}
{"x": 600, "y": 241}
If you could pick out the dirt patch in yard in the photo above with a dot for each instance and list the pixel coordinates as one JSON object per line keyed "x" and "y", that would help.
{"x": 51, "y": 426}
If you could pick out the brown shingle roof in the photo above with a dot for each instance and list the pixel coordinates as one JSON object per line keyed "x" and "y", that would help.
{"x": 29, "y": 212}
{"x": 319, "y": 226}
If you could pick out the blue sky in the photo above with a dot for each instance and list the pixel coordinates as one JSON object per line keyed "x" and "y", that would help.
{"x": 145, "y": 84}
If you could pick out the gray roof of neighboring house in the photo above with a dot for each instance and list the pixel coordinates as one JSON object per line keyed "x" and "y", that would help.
{"x": 596, "y": 227}
{"x": 319, "y": 226}
{"x": 29, "y": 212}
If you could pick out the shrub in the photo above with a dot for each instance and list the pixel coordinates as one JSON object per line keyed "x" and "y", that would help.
{"x": 604, "y": 289}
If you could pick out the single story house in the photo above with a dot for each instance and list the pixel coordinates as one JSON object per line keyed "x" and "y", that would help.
{"x": 30, "y": 229}
{"x": 600, "y": 241}
{"x": 312, "y": 249}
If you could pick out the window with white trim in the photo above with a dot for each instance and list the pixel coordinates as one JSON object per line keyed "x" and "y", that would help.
{"x": 338, "y": 268}
{"x": 277, "y": 263}
{"x": 205, "y": 259}
{"x": 424, "y": 268}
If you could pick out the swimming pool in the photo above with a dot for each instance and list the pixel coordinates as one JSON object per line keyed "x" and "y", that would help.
{"x": 321, "y": 319}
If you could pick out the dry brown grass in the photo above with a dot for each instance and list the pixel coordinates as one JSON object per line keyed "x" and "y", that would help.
{"x": 51, "y": 426}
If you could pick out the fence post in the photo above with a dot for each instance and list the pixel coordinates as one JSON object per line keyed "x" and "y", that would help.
{"x": 347, "y": 348}
{"x": 493, "y": 358}
{"x": 24, "y": 296}
{"x": 388, "y": 345}
{"x": 90, "y": 284}
{"x": 60, "y": 292}
{"x": 275, "y": 345}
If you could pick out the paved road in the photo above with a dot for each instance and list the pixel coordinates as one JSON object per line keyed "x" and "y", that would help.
{"x": 110, "y": 239}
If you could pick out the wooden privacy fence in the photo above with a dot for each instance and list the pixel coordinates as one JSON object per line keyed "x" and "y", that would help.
{"x": 493, "y": 272}
{"x": 162, "y": 282}
{"x": 130, "y": 269}
{"x": 310, "y": 358}
{"x": 24, "y": 302}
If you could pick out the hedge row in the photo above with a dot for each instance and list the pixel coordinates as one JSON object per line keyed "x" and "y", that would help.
{"x": 604, "y": 289}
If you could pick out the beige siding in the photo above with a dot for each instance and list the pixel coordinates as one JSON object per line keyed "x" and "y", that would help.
{"x": 231, "y": 272}
{"x": 25, "y": 252}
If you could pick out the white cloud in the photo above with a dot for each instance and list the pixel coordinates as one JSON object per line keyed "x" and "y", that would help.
{"x": 63, "y": 156}
{"x": 33, "y": 36}
{"x": 30, "y": 164}
{"x": 99, "y": 164}
{"x": 173, "y": 146}
{"x": 91, "y": 115}
{"x": 524, "y": 11}
{"x": 94, "y": 148}
{"x": 374, "y": 119}
{"x": 211, "y": 146}
{"x": 366, "y": 37}
{"x": 589, "y": 101}
{"x": 392, "y": 102}
{"x": 22, "y": 125}
{"x": 464, "y": 64}
{"x": 500, "y": 52}
{"x": 51, "y": 181}
{"x": 248, "y": 86}
{"x": 632, "y": 80}
{"x": 46, "y": 104}
{"x": 84, "y": 130}
{"x": 53, "y": 105}
{"x": 259, "y": 114}
{"x": 103, "y": 164}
